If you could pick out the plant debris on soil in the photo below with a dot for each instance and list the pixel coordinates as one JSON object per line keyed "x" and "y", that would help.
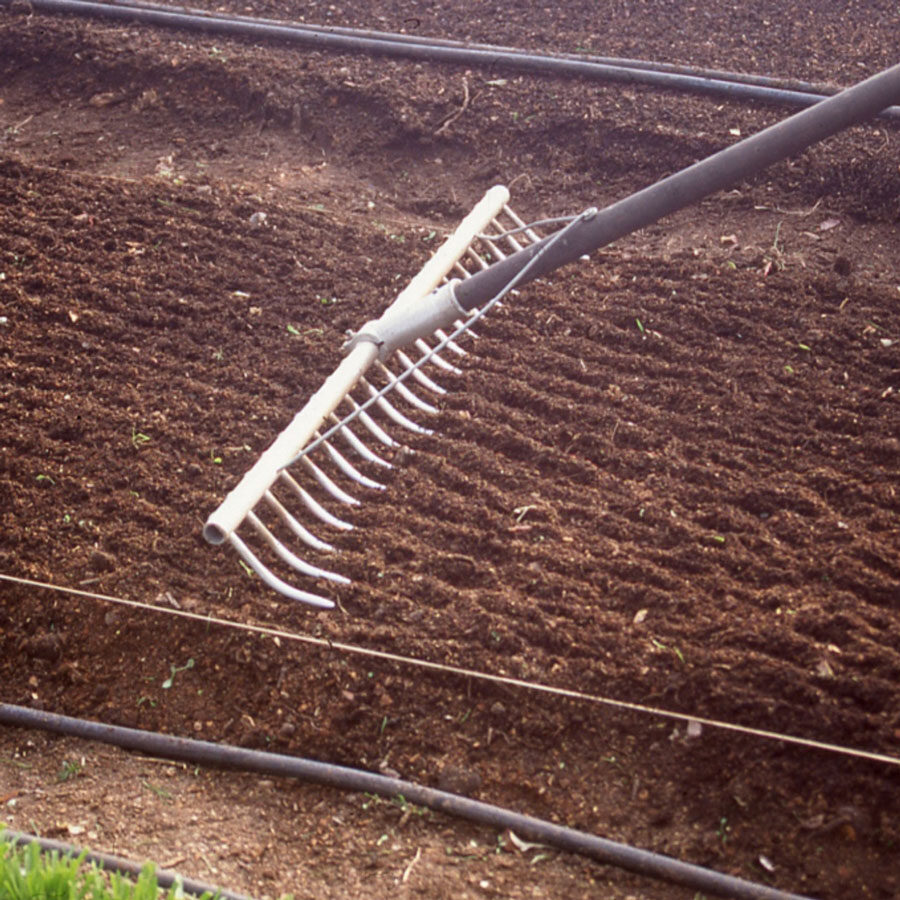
{"x": 667, "y": 476}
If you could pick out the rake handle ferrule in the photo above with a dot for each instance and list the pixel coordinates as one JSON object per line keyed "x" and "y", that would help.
{"x": 403, "y": 323}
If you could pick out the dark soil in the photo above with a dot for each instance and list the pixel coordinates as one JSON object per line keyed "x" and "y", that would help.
{"x": 668, "y": 476}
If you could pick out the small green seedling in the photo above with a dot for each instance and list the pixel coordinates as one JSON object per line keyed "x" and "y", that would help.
{"x": 68, "y": 770}
{"x": 29, "y": 872}
{"x": 162, "y": 793}
{"x": 661, "y": 646}
{"x": 723, "y": 830}
{"x": 43, "y": 477}
{"x": 640, "y": 326}
{"x": 216, "y": 460}
{"x": 292, "y": 330}
{"x": 138, "y": 438}
{"x": 175, "y": 670}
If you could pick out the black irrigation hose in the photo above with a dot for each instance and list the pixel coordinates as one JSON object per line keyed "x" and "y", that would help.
{"x": 436, "y": 50}
{"x": 642, "y": 862}
{"x": 716, "y": 172}
{"x": 407, "y": 38}
{"x": 165, "y": 878}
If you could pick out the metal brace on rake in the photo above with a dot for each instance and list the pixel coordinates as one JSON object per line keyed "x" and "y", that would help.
{"x": 426, "y": 309}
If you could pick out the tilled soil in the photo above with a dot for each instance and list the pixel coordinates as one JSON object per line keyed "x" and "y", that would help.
{"x": 666, "y": 477}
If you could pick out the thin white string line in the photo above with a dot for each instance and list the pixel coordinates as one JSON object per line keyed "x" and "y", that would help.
{"x": 471, "y": 673}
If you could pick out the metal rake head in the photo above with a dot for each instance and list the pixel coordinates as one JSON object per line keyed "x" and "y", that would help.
{"x": 370, "y": 392}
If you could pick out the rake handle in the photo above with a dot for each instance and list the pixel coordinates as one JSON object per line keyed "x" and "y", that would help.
{"x": 786, "y": 138}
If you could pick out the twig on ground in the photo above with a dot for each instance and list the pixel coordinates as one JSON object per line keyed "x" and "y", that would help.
{"x": 454, "y": 116}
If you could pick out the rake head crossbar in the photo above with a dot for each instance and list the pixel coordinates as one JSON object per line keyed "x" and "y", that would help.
{"x": 424, "y": 311}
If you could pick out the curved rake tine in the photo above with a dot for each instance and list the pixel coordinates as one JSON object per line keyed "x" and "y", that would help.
{"x": 532, "y": 234}
{"x": 457, "y": 324}
{"x": 273, "y": 581}
{"x": 421, "y": 377}
{"x": 303, "y": 533}
{"x": 393, "y": 413}
{"x": 477, "y": 257}
{"x": 327, "y": 484}
{"x": 494, "y": 248}
{"x": 361, "y": 448}
{"x": 405, "y": 392}
{"x": 423, "y": 348}
{"x": 290, "y": 558}
{"x": 510, "y": 239}
{"x": 350, "y": 470}
{"x": 441, "y": 363}
{"x": 313, "y": 505}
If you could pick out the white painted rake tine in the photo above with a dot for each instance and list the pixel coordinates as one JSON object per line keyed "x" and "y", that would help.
{"x": 313, "y": 505}
{"x": 441, "y": 335}
{"x": 509, "y": 238}
{"x": 374, "y": 429}
{"x": 290, "y": 558}
{"x": 301, "y": 531}
{"x": 393, "y": 413}
{"x": 350, "y": 470}
{"x": 273, "y": 581}
{"x": 405, "y": 392}
{"x": 421, "y": 377}
{"x": 482, "y": 264}
{"x": 494, "y": 248}
{"x": 530, "y": 232}
{"x": 327, "y": 484}
{"x": 424, "y": 349}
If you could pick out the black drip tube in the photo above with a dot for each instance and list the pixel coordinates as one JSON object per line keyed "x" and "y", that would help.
{"x": 716, "y": 74}
{"x": 165, "y": 878}
{"x": 347, "y": 40}
{"x": 716, "y": 172}
{"x": 642, "y": 862}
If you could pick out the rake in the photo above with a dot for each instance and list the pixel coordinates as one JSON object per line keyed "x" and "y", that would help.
{"x": 372, "y": 388}
{"x": 454, "y": 289}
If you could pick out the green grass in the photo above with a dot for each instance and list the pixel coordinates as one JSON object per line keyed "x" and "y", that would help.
{"x": 28, "y": 874}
